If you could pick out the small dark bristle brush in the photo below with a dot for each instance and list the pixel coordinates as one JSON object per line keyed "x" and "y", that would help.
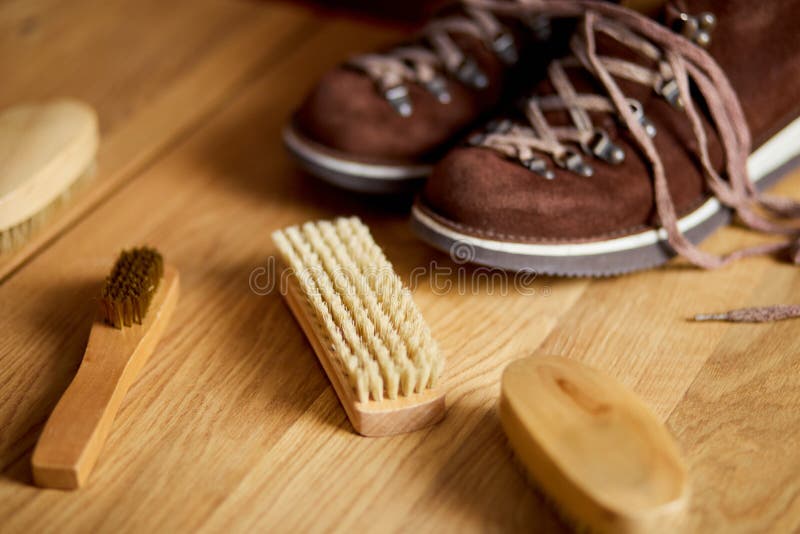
{"x": 136, "y": 303}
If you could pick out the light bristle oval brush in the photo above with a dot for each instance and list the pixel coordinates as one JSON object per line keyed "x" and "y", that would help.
{"x": 593, "y": 448}
{"x": 136, "y": 303}
{"x": 366, "y": 330}
{"x": 46, "y": 151}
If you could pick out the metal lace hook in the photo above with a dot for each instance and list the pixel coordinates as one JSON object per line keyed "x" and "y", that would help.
{"x": 638, "y": 112}
{"x": 601, "y": 146}
{"x": 574, "y": 162}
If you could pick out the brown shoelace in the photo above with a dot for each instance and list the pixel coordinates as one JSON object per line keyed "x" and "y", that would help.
{"x": 680, "y": 62}
{"x": 434, "y": 53}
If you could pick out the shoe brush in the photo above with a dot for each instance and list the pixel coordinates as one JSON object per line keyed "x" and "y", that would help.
{"x": 592, "y": 447}
{"x": 366, "y": 330}
{"x": 47, "y": 151}
{"x": 135, "y": 305}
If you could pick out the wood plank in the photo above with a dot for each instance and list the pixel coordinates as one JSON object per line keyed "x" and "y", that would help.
{"x": 739, "y": 423}
{"x": 728, "y": 391}
{"x": 233, "y": 426}
{"x": 235, "y": 383}
{"x": 151, "y": 71}
{"x": 739, "y": 420}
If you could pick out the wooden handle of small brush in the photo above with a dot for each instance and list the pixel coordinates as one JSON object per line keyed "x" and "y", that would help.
{"x": 77, "y": 429}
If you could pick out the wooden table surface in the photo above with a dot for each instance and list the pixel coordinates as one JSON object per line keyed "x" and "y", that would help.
{"x": 232, "y": 426}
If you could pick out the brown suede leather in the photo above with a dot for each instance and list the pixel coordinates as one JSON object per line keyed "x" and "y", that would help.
{"x": 346, "y": 113}
{"x": 477, "y": 191}
{"x": 757, "y": 44}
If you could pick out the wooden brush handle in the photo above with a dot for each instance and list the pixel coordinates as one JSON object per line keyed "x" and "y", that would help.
{"x": 77, "y": 429}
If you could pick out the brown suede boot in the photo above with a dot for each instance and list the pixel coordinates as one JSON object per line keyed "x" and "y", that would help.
{"x": 635, "y": 148}
{"x": 379, "y": 122}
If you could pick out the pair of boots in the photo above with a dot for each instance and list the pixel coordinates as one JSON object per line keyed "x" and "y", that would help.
{"x": 612, "y": 140}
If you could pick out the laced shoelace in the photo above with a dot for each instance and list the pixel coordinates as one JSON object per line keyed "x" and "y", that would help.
{"x": 523, "y": 142}
{"x": 679, "y": 62}
{"x": 436, "y": 52}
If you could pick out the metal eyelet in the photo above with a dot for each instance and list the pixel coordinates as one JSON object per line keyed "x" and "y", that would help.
{"x": 499, "y": 126}
{"x": 574, "y": 162}
{"x": 671, "y": 92}
{"x": 696, "y": 28}
{"x": 541, "y": 27}
{"x": 438, "y": 86}
{"x": 601, "y": 146}
{"x": 470, "y": 74}
{"x": 476, "y": 139}
{"x": 539, "y": 166}
{"x": 399, "y": 98}
{"x": 494, "y": 126}
{"x": 505, "y": 48}
{"x": 638, "y": 111}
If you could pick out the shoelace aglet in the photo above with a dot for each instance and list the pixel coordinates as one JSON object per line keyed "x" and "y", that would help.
{"x": 753, "y": 315}
{"x": 700, "y": 317}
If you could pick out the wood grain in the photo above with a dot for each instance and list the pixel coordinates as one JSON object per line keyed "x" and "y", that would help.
{"x": 233, "y": 426}
{"x": 114, "y": 58}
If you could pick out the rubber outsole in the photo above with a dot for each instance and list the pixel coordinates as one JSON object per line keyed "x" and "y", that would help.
{"x": 348, "y": 173}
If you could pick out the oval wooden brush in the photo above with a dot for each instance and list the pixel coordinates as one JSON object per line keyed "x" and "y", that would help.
{"x": 137, "y": 301}
{"x": 593, "y": 447}
{"x": 46, "y": 152}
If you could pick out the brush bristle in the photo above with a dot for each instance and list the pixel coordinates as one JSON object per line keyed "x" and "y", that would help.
{"x": 14, "y": 237}
{"x": 130, "y": 287}
{"x": 569, "y": 521}
{"x": 381, "y": 341}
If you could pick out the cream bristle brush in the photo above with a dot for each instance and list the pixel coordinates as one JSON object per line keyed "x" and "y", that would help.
{"x": 592, "y": 447}
{"x": 136, "y": 303}
{"x": 366, "y": 330}
{"x": 46, "y": 152}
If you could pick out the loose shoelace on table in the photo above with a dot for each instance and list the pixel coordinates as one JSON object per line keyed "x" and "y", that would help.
{"x": 679, "y": 62}
{"x": 435, "y": 52}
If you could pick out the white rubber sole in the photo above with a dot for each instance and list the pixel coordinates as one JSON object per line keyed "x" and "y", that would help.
{"x": 613, "y": 256}
{"x": 353, "y": 175}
